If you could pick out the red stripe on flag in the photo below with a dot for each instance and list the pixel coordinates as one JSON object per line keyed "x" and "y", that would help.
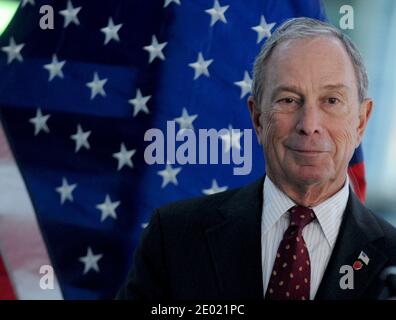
{"x": 357, "y": 175}
{"x": 6, "y": 289}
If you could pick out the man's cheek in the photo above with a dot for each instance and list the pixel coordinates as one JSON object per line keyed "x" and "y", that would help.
{"x": 344, "y": 141}
{"x": 267, "y": 130}
{"x": 345, "y": 137}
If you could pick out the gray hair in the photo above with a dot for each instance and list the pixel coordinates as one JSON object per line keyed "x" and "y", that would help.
{"x": 298, "y": 28}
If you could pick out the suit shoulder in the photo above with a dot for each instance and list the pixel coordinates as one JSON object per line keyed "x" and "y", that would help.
{"x": 388, "y": 242}
{"x": 388, "y": 229}
{"x": 195, "y": 208}
{"x": 189, "y": 219}
{"x": 185, "y": 220}
{"x": 376, "y": 225}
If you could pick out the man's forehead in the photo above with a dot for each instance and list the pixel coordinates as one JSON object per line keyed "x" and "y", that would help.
{"x": 325, "y": 79}
{"x": 314, "y": 44}
{"x": 321, "y": 51}
{"x": 315, "y": 59}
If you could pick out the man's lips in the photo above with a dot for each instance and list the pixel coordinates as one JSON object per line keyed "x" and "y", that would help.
{"x": 307, "y": 151}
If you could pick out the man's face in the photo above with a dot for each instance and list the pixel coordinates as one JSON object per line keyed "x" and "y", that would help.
{"x": 310, "y": 119}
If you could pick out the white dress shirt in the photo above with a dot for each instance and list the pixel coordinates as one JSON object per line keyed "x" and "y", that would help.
{"x": 320, "y": 235}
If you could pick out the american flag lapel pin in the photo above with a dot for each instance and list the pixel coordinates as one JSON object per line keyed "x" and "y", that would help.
{"x": 363, "y": 258}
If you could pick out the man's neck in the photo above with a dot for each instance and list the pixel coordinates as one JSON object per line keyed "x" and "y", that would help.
{"x": 309, "y": 195}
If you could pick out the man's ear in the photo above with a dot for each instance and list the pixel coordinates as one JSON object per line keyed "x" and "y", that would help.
{"x": 366, "y": 107}
{"x": 255, "y": 114}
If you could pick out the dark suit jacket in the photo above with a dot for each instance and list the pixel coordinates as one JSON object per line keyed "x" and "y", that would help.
{"x": 210, "y": 248}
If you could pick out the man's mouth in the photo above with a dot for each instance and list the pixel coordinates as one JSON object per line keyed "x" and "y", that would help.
{"x": 307, "y": 151}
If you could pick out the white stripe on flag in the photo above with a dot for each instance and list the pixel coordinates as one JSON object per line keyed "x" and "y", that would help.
{"x": 21, "y": 244}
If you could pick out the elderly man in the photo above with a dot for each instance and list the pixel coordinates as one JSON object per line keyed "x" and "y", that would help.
{"x": 299, "y": 232}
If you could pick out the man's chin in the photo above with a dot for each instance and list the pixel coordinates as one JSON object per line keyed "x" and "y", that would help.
{"x": 309, "y": 175}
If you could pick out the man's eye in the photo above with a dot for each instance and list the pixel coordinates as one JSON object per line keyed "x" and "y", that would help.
{"x": 288, "y": 100}
{"x": 332, "y": 100}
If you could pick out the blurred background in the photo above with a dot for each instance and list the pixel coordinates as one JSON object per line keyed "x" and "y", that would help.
{"x": 7, "y": 10}
{"x": 50, "y": 226}
{"x": 374, "y": 33}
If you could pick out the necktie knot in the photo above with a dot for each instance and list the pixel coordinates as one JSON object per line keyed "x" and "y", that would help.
{"x": 301, "y": 216}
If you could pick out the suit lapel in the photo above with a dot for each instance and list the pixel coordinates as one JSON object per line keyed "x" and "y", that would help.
{"x": 357, "y": 233}
{"x": 235, "y": 244}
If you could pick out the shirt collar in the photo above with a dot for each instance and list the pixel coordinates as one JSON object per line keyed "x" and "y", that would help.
{"x": 275, "y": 204}
{"x": 328, "y": 213}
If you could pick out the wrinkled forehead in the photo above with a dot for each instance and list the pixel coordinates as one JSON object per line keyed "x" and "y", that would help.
{"x": 314, "y": 62}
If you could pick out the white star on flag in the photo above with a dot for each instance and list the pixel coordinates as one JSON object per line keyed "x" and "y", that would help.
{"x": 13, "y": 51}
{"x": 185, "y": 120}
{"x": 167, "y": 2}
{"x": 124, "y": 157}
{"x": 70, "y": 14}
{"x": 245, "y": 84}
{"x": 155, "y": 49}
{"x": 108, "y": 208}
{"x": 81, "y": 139}
{"x": 96, "y": 86}
{"x": 231, "y": 139}
{"x": 90, "y": 261}
{"x": 217, "y": 13}
{"x": 40, "y": 122}
{"x": 25, "y": 2}
{"x": 263, "y": 29}
{"x": 111, "y": 31}
{"x": 139, "y": 103}
{"x": 201, "y": 66}
{"x": 55, "y": 68}
{"x": 66, "y": 191}
{"x": 169, "y": 175}
{"x": 214, "y": 188}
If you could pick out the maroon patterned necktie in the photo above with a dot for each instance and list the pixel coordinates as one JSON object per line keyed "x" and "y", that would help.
{"x": 291, "y": 275}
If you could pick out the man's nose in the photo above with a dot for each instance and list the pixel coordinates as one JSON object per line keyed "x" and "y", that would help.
{"x": 308, "y": 120}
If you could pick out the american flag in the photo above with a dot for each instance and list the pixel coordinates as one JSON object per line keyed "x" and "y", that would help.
{"x": 75, "y": 103}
